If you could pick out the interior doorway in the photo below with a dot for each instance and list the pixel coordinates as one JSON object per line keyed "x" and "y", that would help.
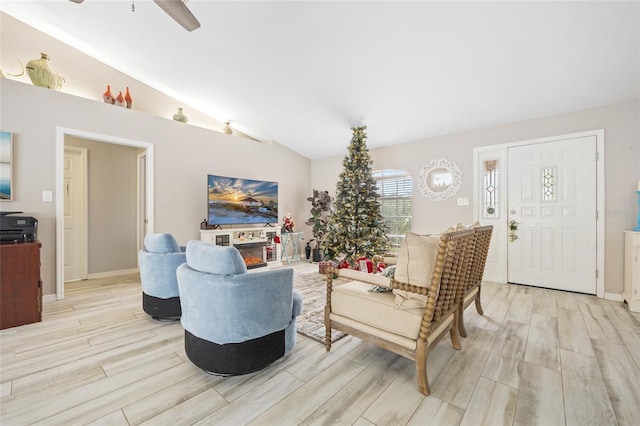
{"x": 62, "y": 133}
{"x": 528, "y": 227}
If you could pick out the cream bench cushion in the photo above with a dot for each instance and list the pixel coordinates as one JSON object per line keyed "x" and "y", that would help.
{"x": 378, "y": 310}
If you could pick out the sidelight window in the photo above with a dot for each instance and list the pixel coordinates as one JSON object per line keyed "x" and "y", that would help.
{"x": 491, "y": 189}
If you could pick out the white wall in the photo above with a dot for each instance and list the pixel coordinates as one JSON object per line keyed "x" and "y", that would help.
{"x": 184, "y": 155}
{"x": 621, "y": 123}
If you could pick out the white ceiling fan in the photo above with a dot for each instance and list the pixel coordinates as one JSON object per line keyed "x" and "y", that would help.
{"x": 178, "y": 10}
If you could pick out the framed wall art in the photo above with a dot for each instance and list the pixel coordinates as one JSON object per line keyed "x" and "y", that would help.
{"x": 6, "y": 166}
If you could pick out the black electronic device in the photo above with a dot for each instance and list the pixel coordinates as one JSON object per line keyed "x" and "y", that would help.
{"x": 18, "y": 229}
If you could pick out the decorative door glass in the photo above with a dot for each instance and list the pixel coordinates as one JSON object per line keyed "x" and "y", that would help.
{"x": 549, "y": 183}
{"x": 491, "y": 189}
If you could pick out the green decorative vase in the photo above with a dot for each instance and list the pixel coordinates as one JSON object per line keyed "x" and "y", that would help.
{"x": 41, "y": 73}
{"x": 179, "y": 116}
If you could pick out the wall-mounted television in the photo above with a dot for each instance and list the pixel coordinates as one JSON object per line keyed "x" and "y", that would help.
{"x": 235, "y": 201}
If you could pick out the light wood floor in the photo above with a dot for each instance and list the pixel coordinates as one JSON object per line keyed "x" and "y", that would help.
{"x": 535, "y": 357}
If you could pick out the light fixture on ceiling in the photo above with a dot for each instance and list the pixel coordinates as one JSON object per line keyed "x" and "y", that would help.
{"x": 176, "y": 9}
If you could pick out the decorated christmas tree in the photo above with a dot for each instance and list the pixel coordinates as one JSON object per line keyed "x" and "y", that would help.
{"x": 356, "y": 227}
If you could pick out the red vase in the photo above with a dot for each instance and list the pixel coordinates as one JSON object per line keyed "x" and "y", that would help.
{"x": 107, "y": 97}
{"x": 120, "y": 100}
{"x": 127, "y": 99}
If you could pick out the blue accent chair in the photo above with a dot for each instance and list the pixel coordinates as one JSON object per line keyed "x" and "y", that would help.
{"x": 235, "y": 322}
{"x": 159, "y": 259}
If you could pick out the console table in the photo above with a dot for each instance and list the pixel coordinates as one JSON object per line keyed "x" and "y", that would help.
{"x": 291, "y": 239}
{"x": 20, "y": 284}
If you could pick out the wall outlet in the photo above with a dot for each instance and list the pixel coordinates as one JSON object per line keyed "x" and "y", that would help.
{"x": 47, "y": 196}
{"x": 463, "y": 201}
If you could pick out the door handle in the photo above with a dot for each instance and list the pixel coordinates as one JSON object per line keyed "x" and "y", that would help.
{"x": 513, "y": 227}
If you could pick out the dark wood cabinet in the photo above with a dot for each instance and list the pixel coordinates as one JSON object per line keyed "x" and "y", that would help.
{"x": 20, "y": 284}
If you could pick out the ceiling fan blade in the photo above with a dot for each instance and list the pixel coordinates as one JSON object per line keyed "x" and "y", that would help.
{"x": 179, "y": 12}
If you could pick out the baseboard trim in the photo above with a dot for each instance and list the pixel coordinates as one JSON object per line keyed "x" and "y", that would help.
{"x": 48, "y": 298}
{"x": 110, "y": 274}
{"x": 613, "y": 296}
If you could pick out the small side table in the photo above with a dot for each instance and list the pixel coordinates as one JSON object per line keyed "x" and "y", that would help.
{"x": 290, "y": 239}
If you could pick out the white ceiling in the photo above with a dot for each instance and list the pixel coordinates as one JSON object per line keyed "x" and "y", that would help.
{"x": 302, "y": 73}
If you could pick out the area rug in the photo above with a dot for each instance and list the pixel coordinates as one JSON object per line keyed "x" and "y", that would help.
{"x": 313, "y": 287}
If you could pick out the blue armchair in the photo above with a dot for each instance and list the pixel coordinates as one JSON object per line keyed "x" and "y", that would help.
{"x": 159, "y": 259}
{"x": 235, "y": 322}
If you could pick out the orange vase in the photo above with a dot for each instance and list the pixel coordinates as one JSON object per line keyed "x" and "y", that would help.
{"x": 120, "y": 100}
{"x": 127, "y": 99}
{"x": 107, "y": 97}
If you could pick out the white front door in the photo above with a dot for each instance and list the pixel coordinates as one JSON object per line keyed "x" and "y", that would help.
{"x": 74, "y": 214}
{"x": 552, "y": 206}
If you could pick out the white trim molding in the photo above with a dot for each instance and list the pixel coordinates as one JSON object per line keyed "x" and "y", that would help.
{"x": 111, "y": 274}
{"x": 614, "y": 296}
{"x": 61, "y": 132}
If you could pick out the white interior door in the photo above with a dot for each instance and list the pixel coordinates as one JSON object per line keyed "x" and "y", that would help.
{"x": 142, "y": 199}
{"x": 552, "y": 201}
{"x": 75, "y": 214}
